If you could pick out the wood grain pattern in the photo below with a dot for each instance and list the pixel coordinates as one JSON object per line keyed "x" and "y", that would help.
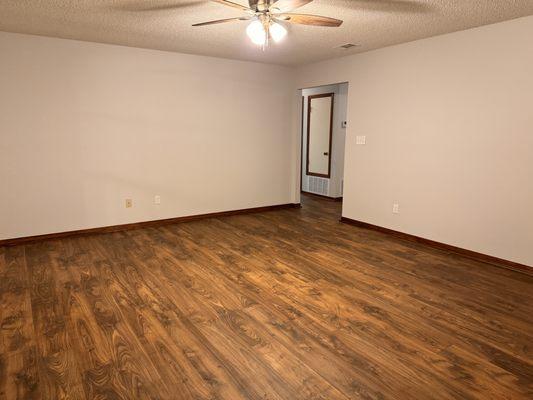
{"x": 321, "y": 196}
{"x": 500, "y": 262}
{"x": 143, "y": 224}
{"x": 287, "y": 304}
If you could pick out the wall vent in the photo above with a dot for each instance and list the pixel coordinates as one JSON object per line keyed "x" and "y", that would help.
{"x": 348, "y": 46}
{"x": 318, "y": 185}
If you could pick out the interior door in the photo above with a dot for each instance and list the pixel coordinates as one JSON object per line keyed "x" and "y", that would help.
{"x": 319, "y": 126}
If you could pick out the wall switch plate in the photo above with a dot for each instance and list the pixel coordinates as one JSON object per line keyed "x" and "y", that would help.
{"x": 157, "y": 199}
{"x": 129, "y": 203}
{"x": 360, "y": 140}
{"x": 395, "y": 208}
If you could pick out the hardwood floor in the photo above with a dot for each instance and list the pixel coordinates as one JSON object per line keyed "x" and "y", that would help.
{"x": 285, "y": 304}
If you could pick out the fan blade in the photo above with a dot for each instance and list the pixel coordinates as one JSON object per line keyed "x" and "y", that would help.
{"x": 306, "y": 19}
{"x": 169, "y": 5}
{"x": 287, "y": 5}
{"x": 232, "y": 4}
{"x": 221, "y": 21}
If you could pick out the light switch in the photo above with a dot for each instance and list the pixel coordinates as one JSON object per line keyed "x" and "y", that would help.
{"x": 360, "y": 140}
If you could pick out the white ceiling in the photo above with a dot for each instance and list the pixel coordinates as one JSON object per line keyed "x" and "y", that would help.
{"x": 370, "y": 23}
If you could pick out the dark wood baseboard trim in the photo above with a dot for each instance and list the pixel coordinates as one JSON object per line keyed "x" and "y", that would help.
{"x": 499, "y": 262}
{"x": 321, "y": 196}
{"x": 136, "y": 225}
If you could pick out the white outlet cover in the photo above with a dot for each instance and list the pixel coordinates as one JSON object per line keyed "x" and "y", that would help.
{"x": 396, "y": 208}
{"x": 360, "y": 140}
{"x": 157, "y": 199}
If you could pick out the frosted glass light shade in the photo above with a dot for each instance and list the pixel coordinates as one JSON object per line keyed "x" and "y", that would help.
{"x": 277, "y": 31}
{"x": 256, "y": 32}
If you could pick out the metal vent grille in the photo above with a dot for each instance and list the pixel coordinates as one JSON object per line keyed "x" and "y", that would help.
{"x": 348, "y": 46}
{"x": 319, "y": 185}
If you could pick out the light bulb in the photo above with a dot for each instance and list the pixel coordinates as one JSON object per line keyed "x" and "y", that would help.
{"x": 277, "y": 31}
{"x": 256, "y": 32}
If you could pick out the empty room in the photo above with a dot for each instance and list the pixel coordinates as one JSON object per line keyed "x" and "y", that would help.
{"x": 266, "y": 199}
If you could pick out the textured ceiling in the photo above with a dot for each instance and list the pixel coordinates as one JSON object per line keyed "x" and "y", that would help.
{"x": 154, "y": 24}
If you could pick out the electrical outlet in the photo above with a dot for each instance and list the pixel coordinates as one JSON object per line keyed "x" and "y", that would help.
{"x": 360, "y": 140}
{"x": 157, "y": 199}
{"x": 395, "y": 208}
{"x": 129, "y": 203}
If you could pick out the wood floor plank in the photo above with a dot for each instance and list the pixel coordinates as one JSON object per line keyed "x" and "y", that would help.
{"x": 193, "y": 364}
{"x": 117, "y": 364}
{"x": 500, "y": 324}
{"x": 18, "y": 368}
{"x": 58, "y": 369}
{"x": 288, "y": 304}
{"x": 318, "y": 312}
{"x": 226, "y": 320}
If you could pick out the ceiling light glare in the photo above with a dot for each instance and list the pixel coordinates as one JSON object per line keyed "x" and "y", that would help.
{"x": 256, "y": 32}
{"x": 277, "y": 31}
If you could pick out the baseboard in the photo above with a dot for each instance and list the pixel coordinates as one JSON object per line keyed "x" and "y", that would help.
{"x": 136, "y": 225}
{"x": 321, "y": 196}
{"x": 499, "y": 262}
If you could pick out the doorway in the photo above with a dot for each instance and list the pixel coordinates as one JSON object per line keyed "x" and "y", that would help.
{"x": 323, "y": 136}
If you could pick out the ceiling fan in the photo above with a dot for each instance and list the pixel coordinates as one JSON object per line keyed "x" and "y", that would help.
{"x": 266, "y": 16}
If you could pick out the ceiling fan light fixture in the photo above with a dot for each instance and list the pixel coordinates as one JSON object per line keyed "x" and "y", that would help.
{"x": 277, "y": 31}
{"x": 256, "y": 32}
{"x": 265, "y": 15}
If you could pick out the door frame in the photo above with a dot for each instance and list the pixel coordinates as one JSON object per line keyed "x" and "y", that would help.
{"x": 309, "y": 98}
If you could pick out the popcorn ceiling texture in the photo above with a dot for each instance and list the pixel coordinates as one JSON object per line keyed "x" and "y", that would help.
{"x": 156, "y": 24}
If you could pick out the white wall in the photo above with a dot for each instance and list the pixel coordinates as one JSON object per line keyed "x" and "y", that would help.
{"x": 449, "y": 128}
{"x": 84, "y": 126}
{"x": 448, "y": 122}
{"x": 338, "y": 135}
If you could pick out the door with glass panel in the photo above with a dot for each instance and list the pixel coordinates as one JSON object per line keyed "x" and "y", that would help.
{"x": 319, "y": 127}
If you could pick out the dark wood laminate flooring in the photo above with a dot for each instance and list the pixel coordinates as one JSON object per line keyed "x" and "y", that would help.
{"x": 278, "y": 305}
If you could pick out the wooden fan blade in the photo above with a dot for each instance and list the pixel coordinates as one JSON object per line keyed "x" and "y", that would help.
{"x": 232, "y": 4}
{"x": 221, "y": 21}
{"x": 306, "y": 19}
{"x": 287, "y": 5}
{"x": 163, "y": 6}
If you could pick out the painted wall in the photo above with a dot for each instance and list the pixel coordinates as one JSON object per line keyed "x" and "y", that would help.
{"x": 84, "y": 126}
{"x": 338, "y": 136}
{"x": 448, "y": 125}
{"x": 449, "y": 137}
